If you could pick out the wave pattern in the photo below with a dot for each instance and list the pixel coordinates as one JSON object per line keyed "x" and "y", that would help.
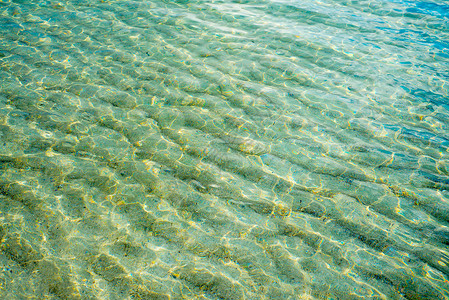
{"x": 224, "y": 149}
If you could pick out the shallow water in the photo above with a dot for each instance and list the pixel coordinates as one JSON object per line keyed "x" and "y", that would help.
{"x": 224, "y": 149}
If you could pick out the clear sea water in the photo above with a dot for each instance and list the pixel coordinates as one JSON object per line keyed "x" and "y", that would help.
{"x": 252, "y": 149}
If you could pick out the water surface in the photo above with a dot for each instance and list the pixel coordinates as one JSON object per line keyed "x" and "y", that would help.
{"x": 224, "y": 149}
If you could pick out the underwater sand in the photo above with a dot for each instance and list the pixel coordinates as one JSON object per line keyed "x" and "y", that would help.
{"x": 224, "y": 149}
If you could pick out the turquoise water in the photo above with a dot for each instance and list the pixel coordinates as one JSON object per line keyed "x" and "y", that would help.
{"x": 224, "y": 149}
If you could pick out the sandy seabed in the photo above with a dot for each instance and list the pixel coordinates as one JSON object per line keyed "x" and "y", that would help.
{"x": 224, "y": 150}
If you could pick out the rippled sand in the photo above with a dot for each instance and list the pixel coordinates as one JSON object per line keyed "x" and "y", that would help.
{"x": 224, "y": 150}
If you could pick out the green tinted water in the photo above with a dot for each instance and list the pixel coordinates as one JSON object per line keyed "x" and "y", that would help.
{"x": 224, "y": 150}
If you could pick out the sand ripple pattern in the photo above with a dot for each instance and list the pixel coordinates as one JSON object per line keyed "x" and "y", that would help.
{"x": 224, "y": 149}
